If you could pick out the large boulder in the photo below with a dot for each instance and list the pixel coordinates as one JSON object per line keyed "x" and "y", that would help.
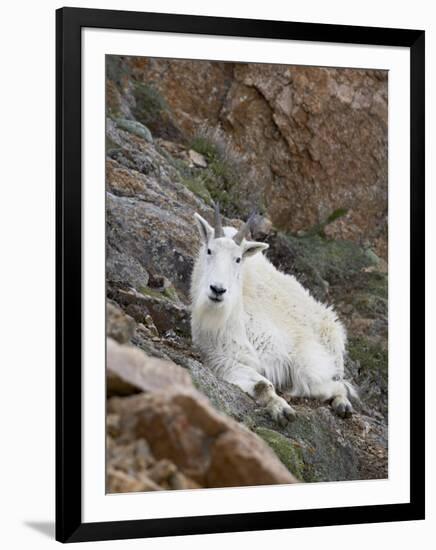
{"x": 181, "y": 427}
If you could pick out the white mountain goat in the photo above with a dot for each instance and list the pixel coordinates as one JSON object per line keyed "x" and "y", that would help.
{"x": 260, "y": 329}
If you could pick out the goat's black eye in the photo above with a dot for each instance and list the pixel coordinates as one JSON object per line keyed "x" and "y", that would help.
{"x": 238, "y": 260}
{"x": 209, "y": 251}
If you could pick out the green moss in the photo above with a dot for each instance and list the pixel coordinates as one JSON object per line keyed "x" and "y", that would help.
{"x": 331, "y": 259}
{"x": 370, "y": 305}
{"x": 373, "y": 359}
{"x": 372, "y": 372}
{"x": 171, "y": 293}
{"x": 135, "y": 127}
{"x": 168, "y": 293}
{"x": 377, "y": 283}
{"x": 372, "y": 256}
{"x": 289, "y": 453}
{"x": 147, "y": 291}
{"x": 370, "y": 295}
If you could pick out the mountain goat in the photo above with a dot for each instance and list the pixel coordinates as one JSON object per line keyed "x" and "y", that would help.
{"x": 260, "y": 329}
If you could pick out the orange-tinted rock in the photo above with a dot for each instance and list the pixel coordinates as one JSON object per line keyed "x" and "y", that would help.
{"x": 214, "y": 451}
{"x": 144, "y": 373}
{"x": 121, "y": 482}
{"x": 316, "y": 137}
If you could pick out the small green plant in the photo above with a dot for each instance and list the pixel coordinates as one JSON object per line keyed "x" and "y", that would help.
{"x": 205, "y": 147}
{"x": 152, "y": 110}
{"x": 197, "y": 185}
{"x": 226, "y": 168}
{"x": 319, "y": 228}
{"x": 150, "y": 105}
{"x": 336, "y": 214}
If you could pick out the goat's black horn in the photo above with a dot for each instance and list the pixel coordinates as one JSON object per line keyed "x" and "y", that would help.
{"x": 219, "y": 232}
{"x": 245, "y": 229}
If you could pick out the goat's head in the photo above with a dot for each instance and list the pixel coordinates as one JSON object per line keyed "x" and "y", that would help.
{"x": 221, "y": 261}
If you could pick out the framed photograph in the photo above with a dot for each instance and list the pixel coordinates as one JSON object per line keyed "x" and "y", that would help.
{"x": 240, "y": 275}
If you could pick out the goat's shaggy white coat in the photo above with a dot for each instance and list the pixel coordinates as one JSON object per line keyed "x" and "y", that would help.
{"x": 266, "y": 331}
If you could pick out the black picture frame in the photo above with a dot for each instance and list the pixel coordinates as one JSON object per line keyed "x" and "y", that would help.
{"x": 69, "y": 22}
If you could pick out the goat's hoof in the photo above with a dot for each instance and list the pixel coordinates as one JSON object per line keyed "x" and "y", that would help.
{"x": 342, "y": 407}
{"x": 282, "y": 413}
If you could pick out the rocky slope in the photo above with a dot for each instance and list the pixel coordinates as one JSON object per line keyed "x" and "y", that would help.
{"x": 315, "y": 139}
{"x": 158, "y": 175}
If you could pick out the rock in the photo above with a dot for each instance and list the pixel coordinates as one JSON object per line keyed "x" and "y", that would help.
{"x": 288, "y": 451}
{"x": 197, "y": 159}
{"x": 120, "y": 482}
{"x": 129, "y": 455}
{"x": 148, "y": 330}
{"x": 238, "y": 460}
{"x": 315, "y": 163}
{"x": 119, "y": 326}
{"x": 370, "y": 363}
{"x": 137, "y": 371}
{"x": 176, "y": 150}
{"x": 182, "y": 428}
{"x": 136, "y": 128}
{"x": 115, "y": 385}
{"x": 161, "y": 471}
{"x": 283, "y": 146}
{"x": 182, "y": 482}
{"x": 318, "y": 446}
{"x": 122, "y": 268}
{"x": 169, "y": 316}
{"x": 207, "y": 447}
{"x": 150, "y": 216}
{"x": 165, "y": 312}
{"x": 113, "y": 424}
{"x": 261, "y": 227}
{"x": 326, "y": 449}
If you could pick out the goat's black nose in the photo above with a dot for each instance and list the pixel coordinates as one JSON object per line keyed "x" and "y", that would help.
{"x": 218, "y": 290}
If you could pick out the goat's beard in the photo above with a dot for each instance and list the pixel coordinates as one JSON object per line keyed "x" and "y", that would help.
{"x": 211, "y": 315}
{"x": 209, "y": 303}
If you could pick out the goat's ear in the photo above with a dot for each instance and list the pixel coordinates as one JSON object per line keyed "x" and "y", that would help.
{"x": 206, "y": 230}
{"x": 250, "y": 248}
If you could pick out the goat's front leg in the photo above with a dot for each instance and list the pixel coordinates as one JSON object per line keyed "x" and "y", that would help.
{"x": 260, "y": 389}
